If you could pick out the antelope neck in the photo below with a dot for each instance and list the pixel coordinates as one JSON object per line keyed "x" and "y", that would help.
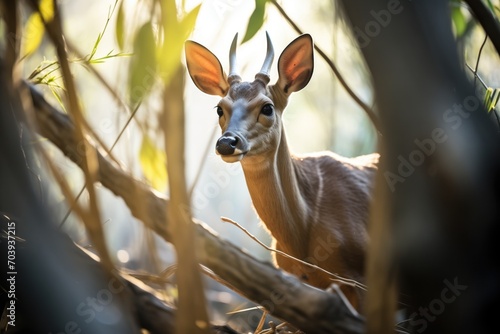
{"x": 275, "y": 192}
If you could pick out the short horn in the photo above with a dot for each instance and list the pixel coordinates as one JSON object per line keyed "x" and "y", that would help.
{"x": 233, "y": 75}
{"x": 266, "y": 67}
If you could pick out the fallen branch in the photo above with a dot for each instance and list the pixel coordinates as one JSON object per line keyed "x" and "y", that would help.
{"x": 284, "y": 296}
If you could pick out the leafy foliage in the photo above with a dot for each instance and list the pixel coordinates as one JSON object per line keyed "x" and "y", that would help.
{"x": 153, "y": 162}
{"x": 143, "y": 63}
{"x": 459, "y": 21}
{"x": 175, "y": 33}
{"x": 120, "y": 27}
{"x": 256, "y": 19}
{"x": 91, "y": 56}
{"x": 47, "y": 73}
{"x": 34, "y": 28}
{"x": 157, "y": 49}
{"x": 491, "y": 98}
{"x": 465, "y": 26}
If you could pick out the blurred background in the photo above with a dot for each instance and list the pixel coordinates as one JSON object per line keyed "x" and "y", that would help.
{"x": 320, "y": 117}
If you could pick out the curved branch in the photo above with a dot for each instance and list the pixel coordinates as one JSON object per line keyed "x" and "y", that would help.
{"x": 283, "y": 295}
{"x": 364, "y": 106}
{"x": 487, "y": 20}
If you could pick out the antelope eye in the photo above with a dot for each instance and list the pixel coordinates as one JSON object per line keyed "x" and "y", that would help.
{"x": 219, "y": 111}
{"x": 267, "y": 110}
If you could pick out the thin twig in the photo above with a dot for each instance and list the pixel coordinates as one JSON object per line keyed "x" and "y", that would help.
{"x": 476, "y": 75}
{"x": 341, "y": 279}
{"x": 113, "y": 93}
{"x": 92, "y": 217}
{"x": 479, "y": 57}
{"x": 39, "y": 70}
{"x": 70, "y": 209}
{"x": 110, "y": 149}
{"x": 111, "y": 10}
{"x": 487, "y": 20}
{"x": 364, "y": 106}
{"x": 97, "y": 74}
{"x": 261, "y": 322}
{"x": 485, "y": 86}
{"x": 253, "y": 308}
{"x": 339, "y": 292}
{"x": 85, "y": 124}
{"x": 225, "y": 259}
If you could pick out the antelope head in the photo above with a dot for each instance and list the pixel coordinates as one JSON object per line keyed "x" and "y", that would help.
{"x": 250, "y": 113}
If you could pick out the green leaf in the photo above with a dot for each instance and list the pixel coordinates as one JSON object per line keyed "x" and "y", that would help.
{"x": 143, "y": 64}
{"x": 256, "y": 20}
{"x": 459, "y": 21}
{"x": 154, "y": 164}
{"x": 53, "y": 89}
{"x": 487, "y": 95}
{"x": 47, "y": 9}
{"x": 34, "y": 28}
{"x": 175, "y": 33}
{"x": 491, "y": 97}
{"x": 494, "y": 99}
{"x": 33, "y": 34}
{"x": 189, "y": 21}
{"x": 101, "y": 34}
{"x": 490, "y": 4}
{"x": 119, "y": 29}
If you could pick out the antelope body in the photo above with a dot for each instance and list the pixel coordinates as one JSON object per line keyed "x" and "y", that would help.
{"x": 315, "y": 206}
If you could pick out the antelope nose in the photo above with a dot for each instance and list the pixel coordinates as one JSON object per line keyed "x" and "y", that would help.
{"x": 226, "y": 144}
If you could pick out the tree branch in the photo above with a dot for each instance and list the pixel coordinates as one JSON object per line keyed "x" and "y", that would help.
{"x": 343, "y": 83}
{"x": 90, "y": 217}
{"x": 283, "y": 295}
{"x": 487, "y": 20}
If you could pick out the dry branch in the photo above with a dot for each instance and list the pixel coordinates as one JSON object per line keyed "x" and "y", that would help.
{"x": 90, "y": 217}
{"x": 283, "y": 295}
{"x": 193, "y": 317}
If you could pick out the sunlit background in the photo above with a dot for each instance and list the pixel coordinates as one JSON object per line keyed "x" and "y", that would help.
{"x": 320, "y": 117}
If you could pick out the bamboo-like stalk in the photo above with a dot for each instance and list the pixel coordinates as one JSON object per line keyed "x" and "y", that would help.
{"x": 90, "y": 217}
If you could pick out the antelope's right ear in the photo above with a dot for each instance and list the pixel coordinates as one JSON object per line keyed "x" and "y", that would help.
{"x": 205, "y": 69}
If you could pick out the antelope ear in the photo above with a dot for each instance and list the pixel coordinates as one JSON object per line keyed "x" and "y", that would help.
{"x": 296, "y": 64}
{"x": 205, "y": 69}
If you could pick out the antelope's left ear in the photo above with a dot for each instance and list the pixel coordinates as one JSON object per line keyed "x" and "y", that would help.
{"x": 296, "y": 64}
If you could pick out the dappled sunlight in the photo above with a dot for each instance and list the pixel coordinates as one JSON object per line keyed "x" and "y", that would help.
{"x": 255, "y": 199}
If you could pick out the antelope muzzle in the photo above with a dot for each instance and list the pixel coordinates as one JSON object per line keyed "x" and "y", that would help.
{"x": 231, "y": 147}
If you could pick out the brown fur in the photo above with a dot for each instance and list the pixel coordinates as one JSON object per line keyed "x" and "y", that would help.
{"x": 316, "y": 207}
{"x": 322, "y": 218}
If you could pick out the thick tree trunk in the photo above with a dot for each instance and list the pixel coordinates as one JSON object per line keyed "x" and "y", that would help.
{"x": 436, "y": 212}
